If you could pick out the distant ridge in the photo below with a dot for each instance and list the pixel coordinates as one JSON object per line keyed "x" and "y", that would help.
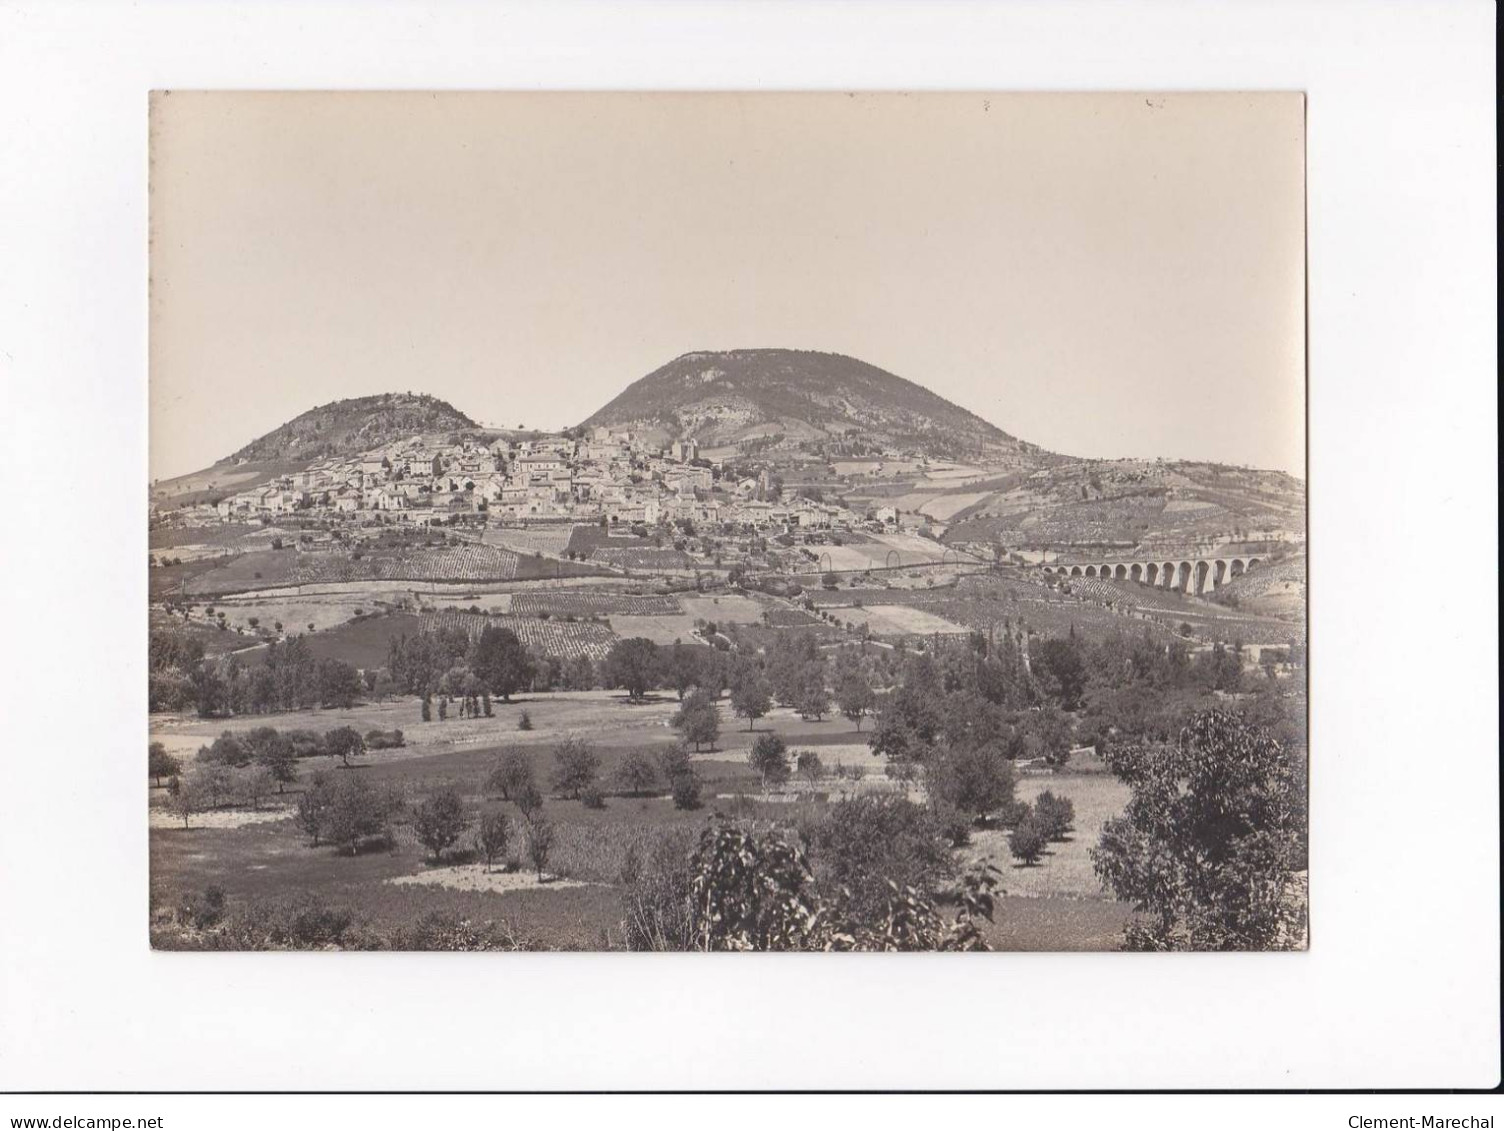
{"x": 348, "y": 427}
{"x": 735, "y": 396}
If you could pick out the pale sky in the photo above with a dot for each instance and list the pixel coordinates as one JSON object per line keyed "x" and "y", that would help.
{"x": 1103, "y": 275}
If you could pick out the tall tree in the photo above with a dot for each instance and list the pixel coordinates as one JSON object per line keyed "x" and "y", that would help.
{"x": 751, "y": 697}
{"x": 501, "y": 661}
{"x": 633, "y": 664}
{"x": 697, "y": 719}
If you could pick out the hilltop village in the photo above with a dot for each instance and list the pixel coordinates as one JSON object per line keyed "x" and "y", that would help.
{"x": 603, "y": 475}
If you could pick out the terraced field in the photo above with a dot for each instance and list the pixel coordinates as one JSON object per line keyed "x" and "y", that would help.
{"x": 552, "y": 540}
{"x": 564, "y": 639}
{"x": 595, "y": 604}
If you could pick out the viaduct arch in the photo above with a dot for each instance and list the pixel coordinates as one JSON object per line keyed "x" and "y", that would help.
{"x": 1187, "y": 575}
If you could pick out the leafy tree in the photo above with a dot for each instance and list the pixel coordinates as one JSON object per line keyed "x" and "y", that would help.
{"x": 273, "y": 751}
{"x": 1028, "y": 841}
{"x": 637, "y": 774}
{"x": 1207, "y": 845}
{"x": 576, "y": 766}
{"x": 809, "y": 766}
{"x": 338, "y": 684}
{"x": 540, "y": 841}
{"x": 854, "y": 696}
{"x": 512, "y": 773}
{"x": 314, "y": 806}
{"x": 633, "y": 664}
{"x": 811, "y": 700}
{"x": 751, "y": 698}
{"x": 769, "y": 756}
{"x": 344, "y": 743}
{"x": 757, "y": 892}
{"x": 1062, "y": 669}
{"x": 683, "y": 668}
{"x": 217, "y": 783}
{"x": 579, "y": 674}
{"x": 685, "y": 788}
{"x": 358, "y": 811}
{"x": 491, "y": 836}
{"x": 1055, "y": 815}
{"x": 528, "y": 799}
{"x": 501, "y": 662}
{"x": 226, "y": 750}
{"x": 697, "y": 719}
{"x": 160, "y": 764}
{"x": 438, "y": 821}
{"x": 254, "y": 783}
{"x": 1046, "y": 733}
{"x": 186, "y": 800}
{"x": 977, "y": 781}
{"x": 865, "y": 845}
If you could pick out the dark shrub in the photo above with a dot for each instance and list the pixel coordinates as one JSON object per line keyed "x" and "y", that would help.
{"x": 1055, "y": 815}
{"x": 686, "y": 790}
{"x": 1028, "y": 841}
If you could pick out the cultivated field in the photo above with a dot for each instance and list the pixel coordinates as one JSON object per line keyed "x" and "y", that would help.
{"x": 262, "y": 855}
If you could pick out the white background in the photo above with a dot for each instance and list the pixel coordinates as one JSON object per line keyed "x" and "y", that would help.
{"x": 1400, "y": 987}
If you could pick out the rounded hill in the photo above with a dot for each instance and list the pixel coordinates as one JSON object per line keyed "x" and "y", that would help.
{"x": 749, "y": 395}
{"x": 351, "y": 426}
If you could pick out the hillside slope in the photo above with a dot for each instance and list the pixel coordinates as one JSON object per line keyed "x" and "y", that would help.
{"x": 736, "y": 396}
{"x": 349, "y": 427}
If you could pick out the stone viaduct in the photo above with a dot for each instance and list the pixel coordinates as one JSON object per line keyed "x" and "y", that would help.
{"x": 1189, "y": 575}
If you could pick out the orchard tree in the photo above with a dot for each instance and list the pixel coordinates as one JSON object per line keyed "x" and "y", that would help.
{"x": 854, "y": 696}
{"x": 344, "y": 743}
{"x": 637, "y": 775}
{"x": 273, "y": 752}
{"x": 576, "y": 767}
{"x": 438, "y": 821}
{"x": 540, "y": 840}
{"x": 683, "y": 668}
{"x": 491, "y": 836}
{"x": 1209, "y": 841}
{"x": 512, "y": 774}
{"x": 1028, "y": 840}
{"x": 751, "y": 697}
{"x": 160, "y": 764}
{"x": 697, "y": 719}
{"x": 769, "y": 756}
{"x": 185, "y": 800}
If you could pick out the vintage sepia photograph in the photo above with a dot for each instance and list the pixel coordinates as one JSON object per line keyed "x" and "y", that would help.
{"x": 727, "y": 522}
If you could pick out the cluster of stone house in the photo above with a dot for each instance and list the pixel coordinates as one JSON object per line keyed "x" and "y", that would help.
{"x": 606, "y": 474}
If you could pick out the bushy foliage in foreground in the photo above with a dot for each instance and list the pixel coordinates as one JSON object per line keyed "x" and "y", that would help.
{"x": 1208, "y": 843}
{"x": 207, "y": 923}
{"x": 753, "y": 891}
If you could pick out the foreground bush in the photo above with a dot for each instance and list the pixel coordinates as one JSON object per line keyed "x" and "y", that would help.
{"x": 1208, "y": 843}
{"x": 757, "y": 892}
{"x": 205, "y": 923}
{"x": 658, "y": 913}
{"x": 864, "y": 845}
